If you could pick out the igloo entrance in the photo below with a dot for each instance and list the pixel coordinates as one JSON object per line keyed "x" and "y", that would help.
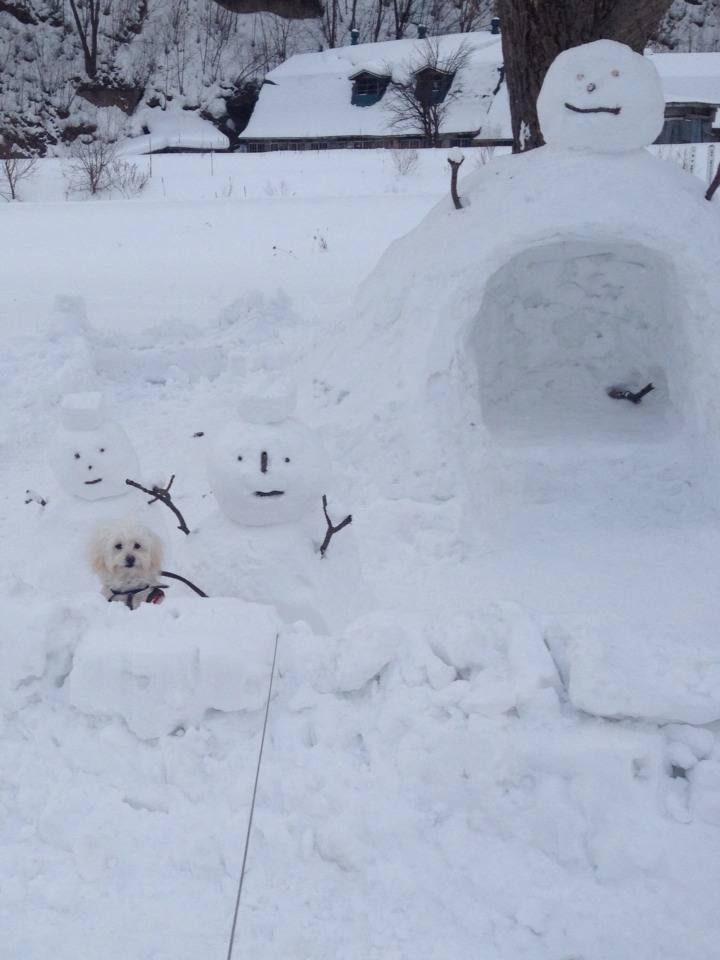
{"x": 562, "y": 322}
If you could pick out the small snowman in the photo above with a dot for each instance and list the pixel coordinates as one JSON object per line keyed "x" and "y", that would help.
{"x": 601, "y": 96}
{"x": 269, "y": 473}
{"x": 91, "y": 457}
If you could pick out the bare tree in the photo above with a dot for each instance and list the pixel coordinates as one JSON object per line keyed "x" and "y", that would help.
{"x": 420, "y": 97}
{"x": 86, "y": 14}
{"x": 534, "y": 32}
{"x": 13, "y": 170}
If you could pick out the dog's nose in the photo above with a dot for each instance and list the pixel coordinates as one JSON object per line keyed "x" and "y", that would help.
{"x": 130, "y": 560}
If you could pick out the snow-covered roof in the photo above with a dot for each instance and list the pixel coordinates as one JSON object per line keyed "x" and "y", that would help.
{"x": 172, "y": 128}
{"x": 310, "y": 94}
{"x": 689, "y": 77}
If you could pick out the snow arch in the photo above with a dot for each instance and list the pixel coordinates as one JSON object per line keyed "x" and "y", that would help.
{"x": 563, "y": 321}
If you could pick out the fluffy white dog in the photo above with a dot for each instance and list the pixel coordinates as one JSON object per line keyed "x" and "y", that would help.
{"x": 128, "y": 557}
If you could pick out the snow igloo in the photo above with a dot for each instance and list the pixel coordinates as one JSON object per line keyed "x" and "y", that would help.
{"x": 586, "y": 265}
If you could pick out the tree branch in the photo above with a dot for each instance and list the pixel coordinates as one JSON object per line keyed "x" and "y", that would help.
{"x": 332, "y": 529}
{"x": 163, "y": 495}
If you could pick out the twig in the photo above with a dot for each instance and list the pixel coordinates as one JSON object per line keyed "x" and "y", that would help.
{"x": 618, "y": 394}
{"x": 613, "y": 110}
{"x": 163, "y": 495}
{"x": 454, "y": 168}
{"x": 714, "y": 184}
{"x": 332, "y": 529}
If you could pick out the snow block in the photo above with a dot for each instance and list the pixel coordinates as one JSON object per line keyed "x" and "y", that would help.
{"x": 616, "y": 669}
{"x": 164, "y": 667}
{"x": 82, "y": 411}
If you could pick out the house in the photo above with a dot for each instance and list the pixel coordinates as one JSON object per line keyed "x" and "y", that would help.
{"x": 691, "y": 84}
{"x": 342, "y": 97}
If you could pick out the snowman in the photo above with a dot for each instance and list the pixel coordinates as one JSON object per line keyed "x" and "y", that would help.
{"x": 601, "y": 96}
{"x": 268, "y": 473}
{"x": 92, "y": 457}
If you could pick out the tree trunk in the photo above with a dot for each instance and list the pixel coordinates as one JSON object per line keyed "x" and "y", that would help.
{"x": 534, "y": 32}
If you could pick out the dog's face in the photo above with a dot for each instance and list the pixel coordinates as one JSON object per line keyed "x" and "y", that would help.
{"x": 126, "y": 555}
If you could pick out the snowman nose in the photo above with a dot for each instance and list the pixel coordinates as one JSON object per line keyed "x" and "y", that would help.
{"x": 263, "y": 462}
{"x": 590, "y": 87}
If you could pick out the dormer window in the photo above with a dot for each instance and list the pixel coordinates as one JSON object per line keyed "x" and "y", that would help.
{"x": 368, "y": 88}
{"x": 432, "y": 86}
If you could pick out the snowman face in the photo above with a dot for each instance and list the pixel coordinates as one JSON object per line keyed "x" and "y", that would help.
{"x": 93, "y": 464}
{"x": 268, "y": 474}
{"x": 601, "y": 96}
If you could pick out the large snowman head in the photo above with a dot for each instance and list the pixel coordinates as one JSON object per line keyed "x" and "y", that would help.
{"x": 91, "y": 456}
{"x": 267, "y": 473}
{"x": 601, "y": 96}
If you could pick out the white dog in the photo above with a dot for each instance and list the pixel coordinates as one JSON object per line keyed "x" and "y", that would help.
{"x": 128, "y": 557}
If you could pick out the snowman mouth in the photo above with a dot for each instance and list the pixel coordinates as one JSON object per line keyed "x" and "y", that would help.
{"x": 269, "y": 493}
{"x": 89, "y": 483}
{"x": 614, "y": 110}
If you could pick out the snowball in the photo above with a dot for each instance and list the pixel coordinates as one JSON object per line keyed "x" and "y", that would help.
{"x": 267, "y": 474}
{"x": 601, "y": 96}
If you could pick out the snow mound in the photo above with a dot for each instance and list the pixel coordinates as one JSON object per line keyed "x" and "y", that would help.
{"x": 162, "y": 668}
{"x": 27, "y": 646}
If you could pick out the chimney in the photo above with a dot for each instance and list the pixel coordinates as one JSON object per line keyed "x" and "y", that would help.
{"x": 422, "y": 31}
{"x": 354, "y": 37}
{"x": 495, "y": 26}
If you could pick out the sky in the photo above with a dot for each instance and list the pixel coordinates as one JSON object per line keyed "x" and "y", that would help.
{"x": 493, "y": 729}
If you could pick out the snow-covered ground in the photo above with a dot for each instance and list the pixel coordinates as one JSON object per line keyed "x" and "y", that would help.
{"x": 513, "y": 753}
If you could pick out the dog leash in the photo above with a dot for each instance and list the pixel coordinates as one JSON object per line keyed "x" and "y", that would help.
{"x": 252, "y": 802}
{"x": 176, "y": 576}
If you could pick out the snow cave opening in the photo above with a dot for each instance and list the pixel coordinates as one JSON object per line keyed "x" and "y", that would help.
{"x": 561, "y": 323}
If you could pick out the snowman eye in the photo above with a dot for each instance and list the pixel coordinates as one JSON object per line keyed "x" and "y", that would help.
{"x": 118, "y": 546}
{"x": 102, "y": 449}
{"x": 287, "y": 459}
{"x": 614, "y": 73}
{"x": 580, "y": 76}
{"x": 239, "y": 457}
{"x": 77, "y": 456}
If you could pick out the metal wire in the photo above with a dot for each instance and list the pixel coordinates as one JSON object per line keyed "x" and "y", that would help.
{"x": 252, "y": 804}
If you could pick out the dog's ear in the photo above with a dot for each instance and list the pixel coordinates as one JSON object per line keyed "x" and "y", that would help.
{"x": 156, "y": 548}
{"x": 96, "y": 550}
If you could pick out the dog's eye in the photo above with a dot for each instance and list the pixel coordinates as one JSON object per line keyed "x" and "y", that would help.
{"x": 136, "y": 546}
{"x": 118, "y": 546}
{"x": 77, "y": 456}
